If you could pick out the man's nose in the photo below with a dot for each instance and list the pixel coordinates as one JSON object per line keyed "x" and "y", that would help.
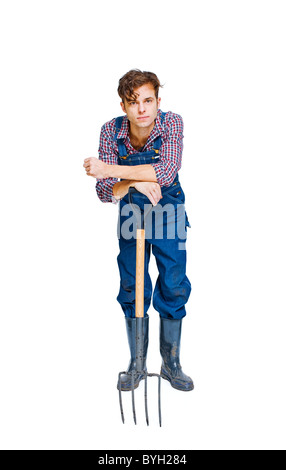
{"x": 141, "y": 108}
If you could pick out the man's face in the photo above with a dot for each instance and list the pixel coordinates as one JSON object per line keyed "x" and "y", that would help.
{"x": 142, "y": 112}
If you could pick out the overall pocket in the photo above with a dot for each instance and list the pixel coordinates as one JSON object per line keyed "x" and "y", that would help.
{"x": 173, "y": 194}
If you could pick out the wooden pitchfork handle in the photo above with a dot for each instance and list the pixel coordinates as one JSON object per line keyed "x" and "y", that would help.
{"x": 140, "y": 267}
{"x": 140, "y": 254}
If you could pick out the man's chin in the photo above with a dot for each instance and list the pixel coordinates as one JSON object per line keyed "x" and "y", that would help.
{"x": 144, "y": 123}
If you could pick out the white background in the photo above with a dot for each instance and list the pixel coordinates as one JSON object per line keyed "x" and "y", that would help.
{"x": 62, "y": 337}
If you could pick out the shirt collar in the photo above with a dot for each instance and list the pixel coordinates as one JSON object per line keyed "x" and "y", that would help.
{"x": 156, "y": 131}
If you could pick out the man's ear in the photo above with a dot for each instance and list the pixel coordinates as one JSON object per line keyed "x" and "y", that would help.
{"x": 123, "y": 107}
{"x": 158, "y": 102}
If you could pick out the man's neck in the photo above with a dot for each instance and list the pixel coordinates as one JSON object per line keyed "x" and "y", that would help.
{"x": 139, "y": 135}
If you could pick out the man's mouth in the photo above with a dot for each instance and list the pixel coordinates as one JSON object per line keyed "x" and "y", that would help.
{"x": 143, "y": 117}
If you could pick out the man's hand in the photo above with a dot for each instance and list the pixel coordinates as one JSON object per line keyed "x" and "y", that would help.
{"x": 151, "y": 190}
{"x": 100, "y": 170}
{"x": 95, "y": 168}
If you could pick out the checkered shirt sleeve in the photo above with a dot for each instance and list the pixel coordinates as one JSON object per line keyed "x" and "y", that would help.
{"x": 104, "y": 187}
{"x": 171, "y": 150}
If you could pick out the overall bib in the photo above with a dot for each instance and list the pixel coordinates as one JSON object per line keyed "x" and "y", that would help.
{"x": 173, "y": 288}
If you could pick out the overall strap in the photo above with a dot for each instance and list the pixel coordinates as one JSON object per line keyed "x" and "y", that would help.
{"x": 118, "y": 125}
{"x": 162, "y": 117}
{"x": 158, "y": 141}
{"x": 120, "y": 142}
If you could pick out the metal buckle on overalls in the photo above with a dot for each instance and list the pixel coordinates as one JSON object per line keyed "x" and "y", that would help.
{"x": 124, "y": 158}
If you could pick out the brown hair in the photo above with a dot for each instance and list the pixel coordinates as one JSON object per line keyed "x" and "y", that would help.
{"x": 135, "y": 79}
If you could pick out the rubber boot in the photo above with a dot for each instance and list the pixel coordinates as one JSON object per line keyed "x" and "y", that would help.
{"x": 131, "y": 333}
{"x": 170, "y": 342}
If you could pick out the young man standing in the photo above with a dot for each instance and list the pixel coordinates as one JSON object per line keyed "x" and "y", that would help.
{"x": 144, "y": 150}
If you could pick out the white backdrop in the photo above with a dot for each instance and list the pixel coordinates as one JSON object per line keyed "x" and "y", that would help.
{"x": 62, "y": 337}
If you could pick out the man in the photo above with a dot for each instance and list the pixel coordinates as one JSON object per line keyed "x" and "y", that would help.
{"x": 144, "y": 150}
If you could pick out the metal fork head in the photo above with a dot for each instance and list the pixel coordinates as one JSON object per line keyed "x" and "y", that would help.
{"x": 145, "y": 375}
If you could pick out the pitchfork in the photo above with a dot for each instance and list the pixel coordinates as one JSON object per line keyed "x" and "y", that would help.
{"x": 139, "y": 314}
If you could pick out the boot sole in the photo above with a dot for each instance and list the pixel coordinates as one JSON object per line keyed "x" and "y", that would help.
{"x": 176, "y": 385}
{"x": 128, "y": 388}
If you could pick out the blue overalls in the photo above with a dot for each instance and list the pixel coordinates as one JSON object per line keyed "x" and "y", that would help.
{"x": 173, "y": 288}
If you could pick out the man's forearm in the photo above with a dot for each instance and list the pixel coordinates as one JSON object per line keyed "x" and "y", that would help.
{"x": 139, "y": 172}
{"x": 121, "y": 188}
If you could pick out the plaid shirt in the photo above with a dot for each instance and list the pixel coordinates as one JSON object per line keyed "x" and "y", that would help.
{"x": 171, "y": 133}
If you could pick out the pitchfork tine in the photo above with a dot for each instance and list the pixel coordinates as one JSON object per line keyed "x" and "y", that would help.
{"x": 146, "y": 407}
{"x": 159, "y": 400}
{"x": 133, "y": 398}
{"x": 120, "y": 397}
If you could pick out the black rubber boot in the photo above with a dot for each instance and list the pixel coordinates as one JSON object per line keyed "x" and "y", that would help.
{"x": 170, "y": 342}
{"x": 131, "y": 333}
